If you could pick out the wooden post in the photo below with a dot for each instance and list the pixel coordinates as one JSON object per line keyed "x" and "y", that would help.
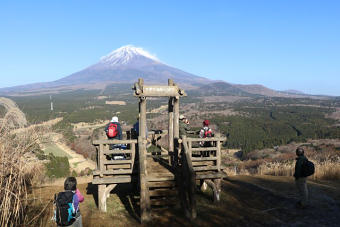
{"x": 171, "y": 128}
{"x": 142, "y": 117}
{"x": 103, "y": 194}
{"x": 176, "y": 129}
{"x": 218, "y": 156}
{"x": 215, "y": 186}
{"x": 176, "y": 117}
{"x": 218, "y": 190}
{"x": 144, "y": 191}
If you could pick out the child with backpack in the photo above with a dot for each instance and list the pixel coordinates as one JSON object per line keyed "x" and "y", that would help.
{"x": 67, "y": 211}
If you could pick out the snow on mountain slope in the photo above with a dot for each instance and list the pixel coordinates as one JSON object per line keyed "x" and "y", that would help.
{"x": 125, "y": 55}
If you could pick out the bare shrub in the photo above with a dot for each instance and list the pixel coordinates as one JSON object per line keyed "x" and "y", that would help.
{"x": 16, "y": 174}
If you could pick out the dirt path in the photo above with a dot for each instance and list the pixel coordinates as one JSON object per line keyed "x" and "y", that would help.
{"x": 77, "y": 161}
{"x": 245, "y": 201}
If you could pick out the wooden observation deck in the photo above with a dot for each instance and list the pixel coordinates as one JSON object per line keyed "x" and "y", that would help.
{"x": 165, "y": 177}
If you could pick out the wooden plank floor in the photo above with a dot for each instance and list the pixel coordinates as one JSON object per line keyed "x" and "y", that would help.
{"x": 154, "y": 168}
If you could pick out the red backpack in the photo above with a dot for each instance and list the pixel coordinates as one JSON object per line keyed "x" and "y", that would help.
{"x": 207, "y": 133}
{"x": 112, "y": 130}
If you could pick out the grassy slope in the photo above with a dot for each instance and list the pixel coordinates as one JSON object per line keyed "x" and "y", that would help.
{"x": 56, "y": 151}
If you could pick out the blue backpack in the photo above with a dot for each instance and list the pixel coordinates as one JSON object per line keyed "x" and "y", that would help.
{"x": 64, "y": 211}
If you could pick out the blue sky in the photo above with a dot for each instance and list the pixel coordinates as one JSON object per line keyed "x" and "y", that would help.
{"x": 280, "y": 44}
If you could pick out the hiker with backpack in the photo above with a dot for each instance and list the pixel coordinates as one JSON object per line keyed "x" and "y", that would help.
{"x": 303, "y": 169}
{"x": 205, "y": 132}
{"x": 67, "y": 211}
{"x": 113, "y": 129}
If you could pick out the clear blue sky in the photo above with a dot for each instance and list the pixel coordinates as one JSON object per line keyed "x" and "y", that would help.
{"x": 280, "y": 44}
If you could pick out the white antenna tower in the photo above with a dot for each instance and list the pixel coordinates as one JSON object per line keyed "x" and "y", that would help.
{"x": 51, "y": 102}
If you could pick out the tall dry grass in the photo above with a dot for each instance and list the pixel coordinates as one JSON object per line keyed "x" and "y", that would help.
{"x": 324, "y": 170}
{"x": 16, "y": 173}
{"x": 324, "y": 154}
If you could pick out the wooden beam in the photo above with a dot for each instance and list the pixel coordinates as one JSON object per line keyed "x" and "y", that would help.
{"x": 112, "y": 180}
{"x": 117, "y": 152}
{"x": 113, "y": 172}
{"x": 114, "y": 141}
{"x": 113, "y": 162}
{"x": 202, "y": 159}
{"x": 207, "y": 139}
{"x": 204, "y": 149}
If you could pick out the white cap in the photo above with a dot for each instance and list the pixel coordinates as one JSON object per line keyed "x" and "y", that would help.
{"x": 114, "y": 119}
{"x": 181, "y": 117}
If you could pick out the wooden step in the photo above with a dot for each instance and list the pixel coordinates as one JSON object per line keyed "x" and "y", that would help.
{"x": 157, "y": 156}
{"x": 160, "y": 177}
{"x": 205, "y": 168}
{"x": 164, "y": 202}
{"x": 216, "y": 175}
{"x": 161, "y": 184}
{"x": 205, "y": 163}
{"x": 162, "y": 192}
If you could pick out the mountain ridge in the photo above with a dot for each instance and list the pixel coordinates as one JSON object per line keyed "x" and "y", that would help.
{"x": 128, "y": 63}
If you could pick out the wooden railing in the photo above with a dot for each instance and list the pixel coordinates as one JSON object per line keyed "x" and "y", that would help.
{"x": 106, "y": 163}
{"x": 210, "y": 154}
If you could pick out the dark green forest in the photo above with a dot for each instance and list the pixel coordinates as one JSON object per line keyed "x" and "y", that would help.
{"x": 265, "y": 127}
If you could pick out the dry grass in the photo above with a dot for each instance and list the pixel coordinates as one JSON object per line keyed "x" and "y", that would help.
{"x": 16, "y": 174}
{"x": 325, "y": 154}
{"x": 326, "y": 170}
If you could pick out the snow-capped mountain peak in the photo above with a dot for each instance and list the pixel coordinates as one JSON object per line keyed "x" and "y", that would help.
{"x": 125, "y": 55}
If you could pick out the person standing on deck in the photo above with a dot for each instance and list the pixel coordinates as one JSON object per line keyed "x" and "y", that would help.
{"x": 113, "y": 129}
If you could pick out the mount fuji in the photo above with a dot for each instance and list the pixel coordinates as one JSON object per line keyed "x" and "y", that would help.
{"x": 123, "y": 65}
{"x": 126, "y": 65}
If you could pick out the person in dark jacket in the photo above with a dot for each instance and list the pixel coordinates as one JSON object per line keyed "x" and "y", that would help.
{"x": 136, "y": 129}
{"x": 300, "y": 179}
{"x": 119, "y": 135}
{"x": 183, "y": 125}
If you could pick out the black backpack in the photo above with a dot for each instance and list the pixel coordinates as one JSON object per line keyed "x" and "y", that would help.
{"x": 308, "y": 168}
{"x": 64, "y": 210}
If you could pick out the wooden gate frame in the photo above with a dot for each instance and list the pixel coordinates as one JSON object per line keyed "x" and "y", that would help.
{"x": 173, "y": 92}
